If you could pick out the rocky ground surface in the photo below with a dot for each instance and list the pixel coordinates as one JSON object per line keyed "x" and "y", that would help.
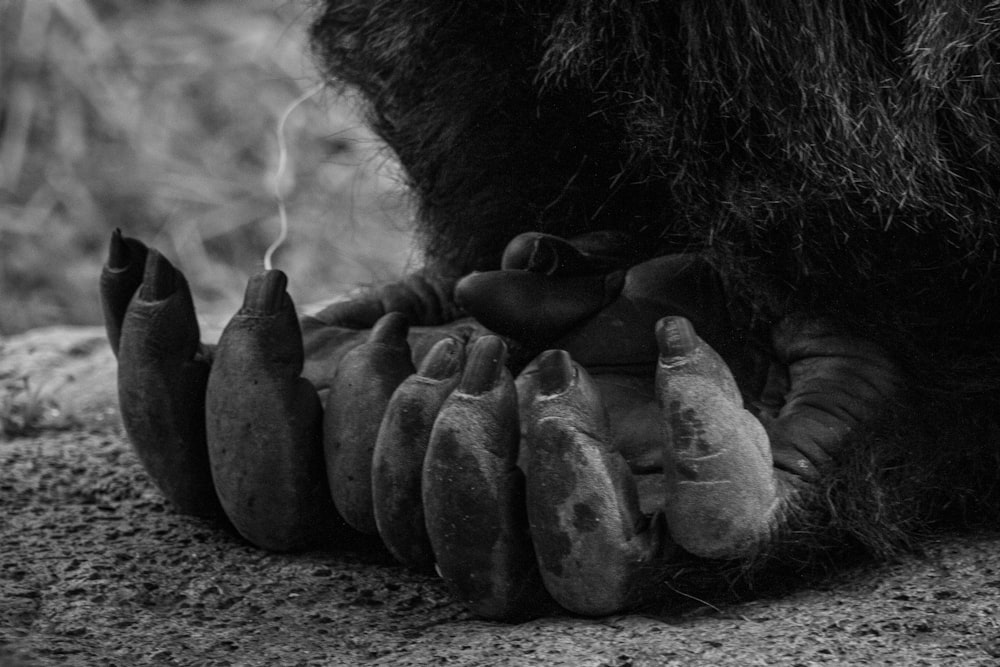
{"x": 96, "y": 569}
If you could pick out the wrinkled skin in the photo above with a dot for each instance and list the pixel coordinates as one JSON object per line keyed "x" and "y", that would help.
{"x": 625, "y": 444}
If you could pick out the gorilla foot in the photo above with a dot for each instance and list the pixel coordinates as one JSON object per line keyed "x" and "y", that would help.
{"x": 581, "y": 483}
{"x": 264, "y": 425}
{"x": 162, "y": 373}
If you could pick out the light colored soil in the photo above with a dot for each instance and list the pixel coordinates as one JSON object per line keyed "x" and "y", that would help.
{"x": 96, "y": 569}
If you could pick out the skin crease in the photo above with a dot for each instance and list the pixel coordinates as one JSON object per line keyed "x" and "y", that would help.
{"x": 730, "y": 320}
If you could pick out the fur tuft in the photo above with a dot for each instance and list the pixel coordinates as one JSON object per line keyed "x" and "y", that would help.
{"x": 833, "y": 157}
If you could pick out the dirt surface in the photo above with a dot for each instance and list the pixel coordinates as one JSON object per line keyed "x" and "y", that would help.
{"x": 96, "y": 569}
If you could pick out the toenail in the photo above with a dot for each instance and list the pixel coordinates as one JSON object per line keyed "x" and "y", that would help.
{"x": 556, "y": 372}
{"x": 390, "y": 328}
{"x": 265, "y": 292}
{"x": 485, "y": 366}
{"x": 118, "y": 252}
{"x": 544, "y": 257}
{"x": 443, "y": 361}
{"x": 518, "y": 253}
{"x": 159, "y": 279}
{"x": 675, "y": 336}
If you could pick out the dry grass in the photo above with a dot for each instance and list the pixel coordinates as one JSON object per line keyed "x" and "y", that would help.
{"x": 160, "y": 117}
{"x": 26, "y": 410}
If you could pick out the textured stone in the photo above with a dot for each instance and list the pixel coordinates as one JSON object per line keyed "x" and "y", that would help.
{"x": 96, "y": 569}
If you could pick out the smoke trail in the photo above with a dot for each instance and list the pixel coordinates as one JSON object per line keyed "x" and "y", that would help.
{"x": 279, "y": 172}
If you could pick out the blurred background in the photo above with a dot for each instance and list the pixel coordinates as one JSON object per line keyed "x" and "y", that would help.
{"x": 160, "y": 117}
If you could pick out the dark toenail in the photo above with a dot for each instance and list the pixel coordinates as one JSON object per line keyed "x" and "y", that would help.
{"x": 390, "y": 329}
{"x": 443, "y": 361}
{"x": 265, "y": 293}
{"x": 517, "y": 254}
{"x": 160, "y": 278}
{"x": 462, "y": 290}
{"x": 118, "y": 252}
{"x": 485, "y": 366}
{"x": 675, "y": 336}
{"x": 555, "y": 372}
{"x": 544, "y": 257}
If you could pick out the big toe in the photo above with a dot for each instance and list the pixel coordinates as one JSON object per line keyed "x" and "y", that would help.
{"x": 264, "y": 424}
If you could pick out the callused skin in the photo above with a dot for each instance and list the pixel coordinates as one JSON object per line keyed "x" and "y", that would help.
{"x": 625, "y": 445}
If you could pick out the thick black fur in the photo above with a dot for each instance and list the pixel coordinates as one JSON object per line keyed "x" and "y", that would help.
{"x": 834, "y": 158}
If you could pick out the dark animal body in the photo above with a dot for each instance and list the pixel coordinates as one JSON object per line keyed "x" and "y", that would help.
{"x": 741, "y": 256}
{"x": 833, "y": 159}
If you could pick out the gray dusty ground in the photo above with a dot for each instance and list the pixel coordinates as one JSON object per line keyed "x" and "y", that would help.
{"x": 95, "y": 569}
